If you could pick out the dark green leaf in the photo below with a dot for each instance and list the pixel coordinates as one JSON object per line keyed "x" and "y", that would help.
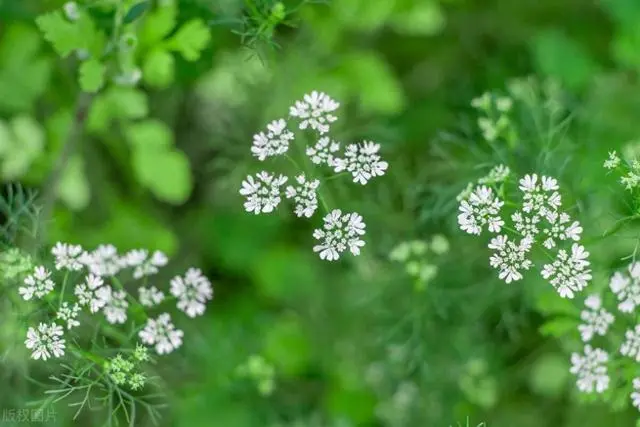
{"x": 136, "y": 12}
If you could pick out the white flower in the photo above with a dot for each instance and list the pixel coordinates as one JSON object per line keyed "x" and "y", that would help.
{"x": 46, "y": 341}
{"x": 67, "y": 256}
{"x": 37, "y": 284}
{"x": 192, "y": 291}
{"x": 161, "y": 333}
{"x": 339, "y": 233}
{"x": 541, "y": 196}
{"x": 150, "y": 296}
{"x": 315, "y": 111}
{"x": 116, "y": 308}
{"x": 323, "y": 151}
{"x": 591, "y": 370}
{"x": 143, "y": 264}
{"x": 631, "y": 345}
{"x": 93, "y": 293}
{"x": 613, "y": 161}
{"x": 627, "y": 288}
{"x": 262, "y": 193}
{"x": 510, "y": 258}
{"x": 596, "y": 319}
{"x": 527, "y": 226}
{"x": 498, "y": 174}
{"x": 274, "y": 143}
{"x": 363, "y": 161}
{"x": 560, "y": 229}
{"x": 71, "y": 11}
{"x": 69, "y": 314}
{"x": 479, "y": 210}
{"x": 104, "y": 261}
{"x": 304, "y": 196}
{"x": 569, "y": 273}
{"x": 635, "y": 396}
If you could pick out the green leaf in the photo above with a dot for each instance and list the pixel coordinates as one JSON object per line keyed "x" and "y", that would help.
{"x": 157, "y": 25}
{"x": 166, "y": 173}
{"x": 73, "y": 188}
{"x": 135, "y": 12}
{"x": 28, "y": 134}
{"x": 374, "y": 83}
{"x": 158, "y": 68}
{"x": 564, "y": 59}
{"x": 190, "y": 40}
{"x": 423, "y": 19}
{"x": 549, "y": 375}
{"x": 91, "y": 75}
{"x": 128, "y": 103}
{"x": 149, "y": 135}
{"x": 61, "y": 33}
{"x": 558, "y": 327}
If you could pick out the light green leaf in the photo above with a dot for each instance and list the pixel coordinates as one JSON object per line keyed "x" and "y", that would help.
{"x": 378, "y": 90}
{"x": 149, "y": 135}
{"x": 91, "y": 75}
{"x": 157, "y": 25}
{"x": 16, "y": 165}
{"x": 166, "y": 173}
{"x": 73, "y": 188}
{"x": 424, "y": 19}
{"x": 28, "y": 135}
{"x": 158, "y": 68}
{"x": 61, "y": 33}
{"x": 558, "y": 327}
{"x": 190, "y": 40}
{"x": 128, "y": 103}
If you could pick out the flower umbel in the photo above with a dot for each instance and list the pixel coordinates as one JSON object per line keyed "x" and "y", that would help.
{"x": 315, "y": 111}
{"x": 340, "y": 231}
{"x": 45, "y": 341}
{"x": 481, "y": 209}
{"x": 162, "y": 334}
{"x": 591, "y": 370}
{"x": 192, "y": 291}
{"x": 510, "y": 258}
{"x": 304, "y": 196}
{"x": 362, "y": 161}
{"x": 274, "y": 143}
{"x": 262, "y": 192}
{"x": 569, "y": 273}
{"x": 596, "y": 320}
{"x": 37, "y": 284}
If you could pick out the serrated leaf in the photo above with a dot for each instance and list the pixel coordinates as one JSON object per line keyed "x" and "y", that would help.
{"x": 91, "y": 75}
{"x": 149, "y": 135}
{"x": 166, "y": 173}
{"x": 158, "y": 68}
{"x": 190, "y": 40}
{"x": 136, "y": 11}
{"x": 157, "y": 25}
{"x": 61, "y": 33}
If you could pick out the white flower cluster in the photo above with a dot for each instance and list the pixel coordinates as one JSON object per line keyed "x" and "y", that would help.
{"x": 97, "y": 288}
{"x": 538, "y": 220}
{"x": 591, "y": 367}
{"x": 264, "y": 191}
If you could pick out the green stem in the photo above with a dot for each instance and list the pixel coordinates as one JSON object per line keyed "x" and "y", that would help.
{"x": 64, "y": 286}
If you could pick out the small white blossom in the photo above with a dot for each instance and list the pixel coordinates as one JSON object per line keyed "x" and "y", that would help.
{"x": 37, "y": 284}
{"x": 504, "y": 104}
{"x": 569, "y": 273}
{"x": 560, "y": 229}
{"x": 69, "y": 313}
{"x": 339, "y": 233}
{"x": 46, "y": 341}
{"x": 116, "y": 308}
{"x": 67, "y": 256}
{"x": 315, "y": 111}
{"x": 143, "y": 264}
{"x": 541, "y": 196}
{"x": 627, "y": 288}
{"x": 527, "y": 226}
{"x": 596, "y": 320}
{"x": 304, "y": 196}
{"x": 496, "y": 175}
{"x": 363, "y": 161}
{"x": 104, "y": 261}
{"x": 274, "y": 143}
{"x": 262, "y": 193}
{"x": 591, "y": 370}
{"x": 323, "y": 152}
{"x": 613, "y": 161}
{"x": 631, "y": 345}
{"x": 93, "y": 293}
{"x": 71, "y": 11}
{"x": 510, "y": 258}
{"x": 192, "y": 291}
{"x": 481, "y": 209}
{"x": 635, "y": 396}
{"x": 150, "y": 296}
{"x": 162, "y": 334}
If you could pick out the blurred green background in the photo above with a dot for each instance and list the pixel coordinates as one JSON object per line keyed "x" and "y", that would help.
{"x": 353, "y": 343}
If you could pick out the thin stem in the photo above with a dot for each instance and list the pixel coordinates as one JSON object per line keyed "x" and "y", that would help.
{"x": 64, "y": 286}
